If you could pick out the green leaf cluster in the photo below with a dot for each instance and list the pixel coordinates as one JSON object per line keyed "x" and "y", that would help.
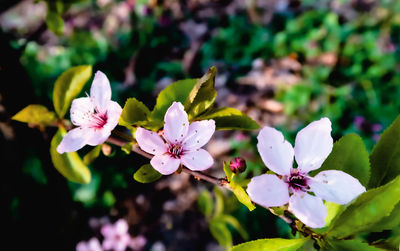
{"x": 197, "y": 96}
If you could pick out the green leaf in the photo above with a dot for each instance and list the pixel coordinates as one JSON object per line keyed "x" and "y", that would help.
{"x": 237, "y": 189}
{"x": 242, "y": 196}
{"x": 134, "y": 112}
{"x": 203, "y": 94}
{"x": 367, "y": 210}
{"x": 219, "y": 202}
{"x": 388, "y": 222}
{"x": 228, "y": 172}
{"x": 36, "y": 114}
{"x": 350, "y": 156}
{"x": 68, "y": 86}
{"x": 54, "y": 22}
{"x": 92, "y": 155}
{"x": 177, "y": 91}
{"x": 70, "y": 165}
{"x": 348, "y": 245}
{"x": 227, "y": 118}
{"x": 205, "y": 203}
{"x": 146, "y": 174}
{"x": 271, "y": 245}
{"x": 221, "y": 233}
{"x": 233, "y": 222}
{"x": 385, "y": 157}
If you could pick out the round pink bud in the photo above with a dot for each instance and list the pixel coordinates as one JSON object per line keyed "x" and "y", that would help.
{"x": 237, "y": 165}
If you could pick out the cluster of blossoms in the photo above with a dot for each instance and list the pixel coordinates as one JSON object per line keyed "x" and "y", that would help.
{"x": 116, "y": 237}
{"x": 180, "y": 143}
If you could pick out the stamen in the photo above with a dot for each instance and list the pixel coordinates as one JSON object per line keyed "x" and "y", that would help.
{"x": 175, "y": 151}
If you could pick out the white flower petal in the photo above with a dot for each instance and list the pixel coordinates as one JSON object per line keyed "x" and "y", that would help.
{"x": 81, "y": 111}
{"x": 100, "y": 92}
{"x": 99, "y": 136}
{"x": 275, "y": 151}
{"x": 75, "y": 140}
{"x": 121, "y": 227}
{"x": 336, "y": 186}
{"x": 199, "y": 134}
{"x": 176, "y": 123}
{"x": 165, "y": 164}
{"x": 308, "y": 209}
{"x": 313, "y": 145}
{"x": 114, "y": 111}
{"x": 197, "y": 160}
{"x": 150, "y": 141}
{"x": 268, "y": 190}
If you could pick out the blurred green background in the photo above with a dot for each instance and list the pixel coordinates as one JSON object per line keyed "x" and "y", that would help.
{"x": 283, "y": 62}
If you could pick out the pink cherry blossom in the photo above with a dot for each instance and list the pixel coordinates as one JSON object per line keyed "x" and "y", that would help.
{"x": 92, "y": 245}
{"x": 95, "y": 117}
{"x": 180, "y": 144}
{"x": 116, "y": 236}
{"x": 313, "y": 144}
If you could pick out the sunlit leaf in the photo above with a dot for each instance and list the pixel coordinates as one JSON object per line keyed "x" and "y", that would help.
{"x": 227, "y": 118}
{"x": 70, "y": 165}
{"x": 36, "y": 114}
{"x": 133, "y": 112}
{"x": 348, "y": 245}
{"x": 271, "y": 245}
{"x": 367, "y": 210}
{"x": 388, "y": 222}
{"x": 92, "y": 155}
{"x": 177, "y": 91}
{"x": 146, "y": 174}
{"x": 385, "y": 157}
{"x": 68, "y": 86}
{"x": 203, "y": 94}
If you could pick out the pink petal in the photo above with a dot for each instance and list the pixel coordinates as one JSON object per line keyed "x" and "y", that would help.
{"x": 313, "y": 145}
{"x": 121, "y": 227}
{"x": 108, "y": 243}
{"x": 75, "y": 140}
{"x": 150, "y": 141}
{"x": 99, "y": 136}
{"x": 81, "y": 111}
{"x": 114, "y": 111}
{"x": 199, "y": 134}
{"x": 268, "y": 190}
{"x": 81, "y": 246}
{"x": 108, "y": 230}
{"x": 197, "y": 160}
{"x": 308, "y": 209}
{"x": 122, "y": 243}
{"x": 275, "y": 151}
{"x": 100, "y": 92}
{"x": 176, "y": 123}
{"x": 94, "y": 244}
{"x": 164, "y": 164}
{"x": 336, "y": 186}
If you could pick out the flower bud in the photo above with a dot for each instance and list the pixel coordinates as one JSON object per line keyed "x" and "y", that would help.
{"x": 237, "y": 165}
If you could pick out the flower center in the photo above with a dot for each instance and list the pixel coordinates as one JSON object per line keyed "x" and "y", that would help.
{"x": 175, "y": 150}
{"x": 98, "y": 120}
{"x": 298, "y": 181}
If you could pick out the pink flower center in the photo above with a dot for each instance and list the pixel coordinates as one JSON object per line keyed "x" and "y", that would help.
{"x": 175, "y": 151}
{"x": 298, "y": 181}
{"x": 98, "y": 120}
